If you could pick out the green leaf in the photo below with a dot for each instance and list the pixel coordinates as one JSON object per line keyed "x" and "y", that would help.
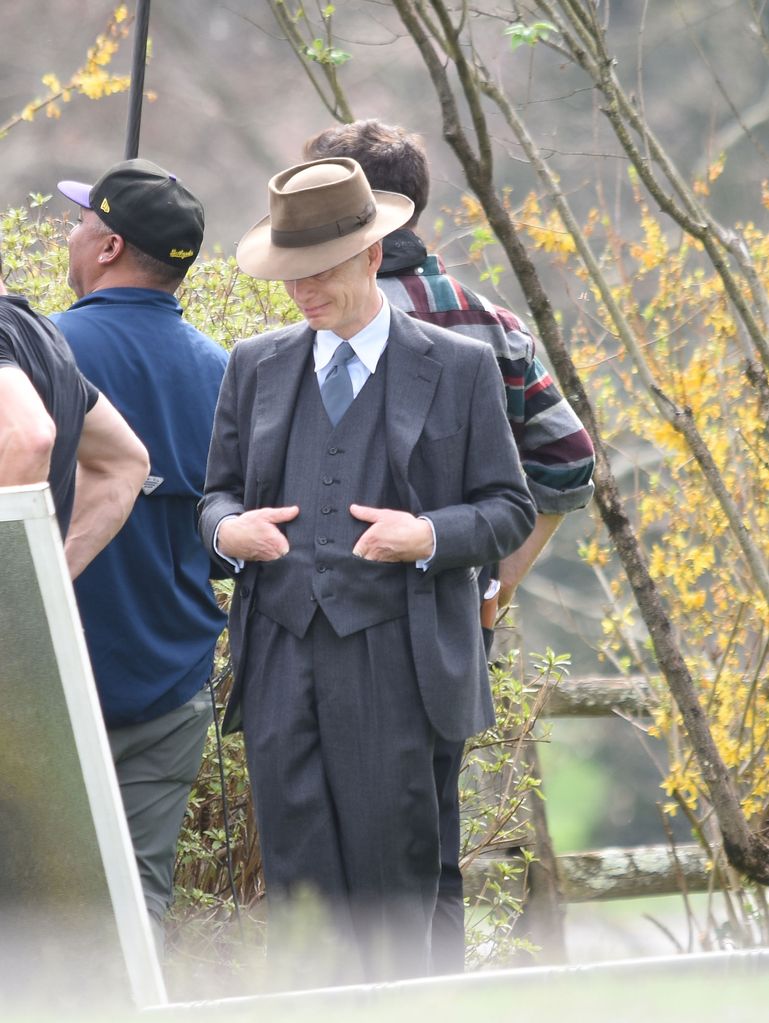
{"x": 528, "y": 35}
{"x": 322, "y": 54}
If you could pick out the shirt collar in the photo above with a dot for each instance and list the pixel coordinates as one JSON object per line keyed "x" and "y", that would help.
{"x": 368, "y": 344}
{"x": 129, "y": 296}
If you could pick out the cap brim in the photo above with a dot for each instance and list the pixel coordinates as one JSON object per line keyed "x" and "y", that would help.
{"x": 258, "y": 257}
{"x": 77, "y": 192}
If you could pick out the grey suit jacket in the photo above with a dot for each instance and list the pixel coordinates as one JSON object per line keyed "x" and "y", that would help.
{"x": 452, "y": 457}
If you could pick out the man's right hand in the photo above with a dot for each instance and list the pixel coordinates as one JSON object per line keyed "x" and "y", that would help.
{"x": 254, "y": 535}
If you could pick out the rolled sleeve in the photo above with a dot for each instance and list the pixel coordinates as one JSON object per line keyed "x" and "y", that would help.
{"x": 559, "y": 502}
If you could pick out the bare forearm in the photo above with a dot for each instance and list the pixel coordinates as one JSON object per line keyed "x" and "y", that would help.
{"x": 112, "y": 464}
{"x": 517, "y": 565}
{"x": 102, "y": 504}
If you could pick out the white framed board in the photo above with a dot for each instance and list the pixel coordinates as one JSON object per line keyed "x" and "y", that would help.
{"x": 74, "y": 922}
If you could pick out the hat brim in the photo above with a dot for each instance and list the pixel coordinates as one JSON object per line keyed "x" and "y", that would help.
{"x": 258, "y": 257}
{"x": 77, "y": 191}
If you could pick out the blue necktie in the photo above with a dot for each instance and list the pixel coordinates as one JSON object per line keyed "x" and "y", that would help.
{"x": 336, "y": 391}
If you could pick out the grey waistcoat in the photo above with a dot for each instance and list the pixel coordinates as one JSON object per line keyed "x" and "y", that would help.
{"x": 326, "y": 470}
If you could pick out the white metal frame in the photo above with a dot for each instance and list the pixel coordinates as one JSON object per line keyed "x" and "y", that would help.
{"x": 33, "y": 506}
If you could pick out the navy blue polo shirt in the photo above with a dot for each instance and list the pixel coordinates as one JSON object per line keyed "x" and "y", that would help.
{"x": 150, "y": 617}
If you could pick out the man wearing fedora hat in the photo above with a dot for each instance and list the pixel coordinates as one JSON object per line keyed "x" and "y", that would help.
{"x": 360, "y": 466}
{"x": 554, "y": 447}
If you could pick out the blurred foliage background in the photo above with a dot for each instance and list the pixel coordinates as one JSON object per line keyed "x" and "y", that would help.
{"x": 228, "y": 106}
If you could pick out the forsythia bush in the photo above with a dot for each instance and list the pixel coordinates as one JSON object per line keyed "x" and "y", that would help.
{"x": 700, "y": 358}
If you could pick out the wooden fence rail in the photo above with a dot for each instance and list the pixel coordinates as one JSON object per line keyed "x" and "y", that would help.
{"x": 612, "y": 873}
{"x": 598, "y": 697}
{"x": 616, "y": 873}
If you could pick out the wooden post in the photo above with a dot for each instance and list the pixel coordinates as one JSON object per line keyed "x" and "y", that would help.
{"x": 543, "y": 913}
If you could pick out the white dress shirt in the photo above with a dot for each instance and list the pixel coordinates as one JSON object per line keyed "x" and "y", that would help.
{"x": 368, "y": 345}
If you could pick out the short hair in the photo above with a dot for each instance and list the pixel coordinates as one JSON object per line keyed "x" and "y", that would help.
{"x": 162, "y": 274}
{"x": 165, "y": 276}
{"x": 393, "y": 159}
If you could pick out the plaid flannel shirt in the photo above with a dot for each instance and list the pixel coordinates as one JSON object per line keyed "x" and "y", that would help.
{"x": 555, "y": 450}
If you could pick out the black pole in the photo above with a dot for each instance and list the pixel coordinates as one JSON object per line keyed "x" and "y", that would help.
{"x": 138, "y": 62}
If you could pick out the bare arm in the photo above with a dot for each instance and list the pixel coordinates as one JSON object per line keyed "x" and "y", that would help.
{"x": 27, "y": 432}
{"x": 112, "y": 464}
{"x": 516, "y": 565}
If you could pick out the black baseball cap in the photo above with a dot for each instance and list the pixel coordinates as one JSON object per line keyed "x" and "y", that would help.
{"x": 147, "y": 206}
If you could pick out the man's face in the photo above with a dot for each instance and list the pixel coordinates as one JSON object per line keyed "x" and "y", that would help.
{"x": 343, "y": 299}
{"x": 86, "y": 241}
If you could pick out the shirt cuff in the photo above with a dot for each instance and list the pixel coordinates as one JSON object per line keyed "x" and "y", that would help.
{"x": 424, "y": 563}
{"x": 559, "y": 502}
{"x": 237, "y": 563}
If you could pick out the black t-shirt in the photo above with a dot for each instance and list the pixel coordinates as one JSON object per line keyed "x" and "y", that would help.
{"x": 32, "y": 343}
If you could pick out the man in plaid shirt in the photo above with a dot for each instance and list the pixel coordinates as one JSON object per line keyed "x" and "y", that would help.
{"x": 555, "y": 450}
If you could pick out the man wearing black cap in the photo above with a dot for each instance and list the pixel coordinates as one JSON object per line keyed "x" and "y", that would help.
{"x": 149, "y": 613}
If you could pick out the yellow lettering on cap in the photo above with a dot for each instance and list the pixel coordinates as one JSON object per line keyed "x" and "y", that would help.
{"x": 104, "y": 207}
{"x": 181, "y": 253}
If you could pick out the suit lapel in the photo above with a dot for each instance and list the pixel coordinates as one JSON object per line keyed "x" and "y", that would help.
{"x": 412, "y": 376}
{"x": 277, "y": 387}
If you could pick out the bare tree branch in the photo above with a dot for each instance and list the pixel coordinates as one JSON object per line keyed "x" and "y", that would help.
{"x": 746, "y": 851}
{"x": 332, "y": 97}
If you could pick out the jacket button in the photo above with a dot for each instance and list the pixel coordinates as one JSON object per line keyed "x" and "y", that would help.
{"x": 328, "y": 480}
{"x": 323, "y": 539}
{"x": 245, "y": 591}
{"x": 321, "y": 568}
{"x": 333, "y": 451}
{"x": 326, "y": 509}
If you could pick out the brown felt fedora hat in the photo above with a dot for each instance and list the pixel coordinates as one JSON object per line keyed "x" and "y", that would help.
{"x": 321, "y": 213}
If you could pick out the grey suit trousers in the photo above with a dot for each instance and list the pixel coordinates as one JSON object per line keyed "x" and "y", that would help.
{"x": 340, "y": 754}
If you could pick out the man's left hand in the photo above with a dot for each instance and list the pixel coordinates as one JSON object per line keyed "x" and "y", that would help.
{"x": 392, "y": 535}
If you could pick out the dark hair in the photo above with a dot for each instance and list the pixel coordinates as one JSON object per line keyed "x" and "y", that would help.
{"x": 160, "y": 275}
{"x": 167, "y": 278}
{"x": 392, "y": 158}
